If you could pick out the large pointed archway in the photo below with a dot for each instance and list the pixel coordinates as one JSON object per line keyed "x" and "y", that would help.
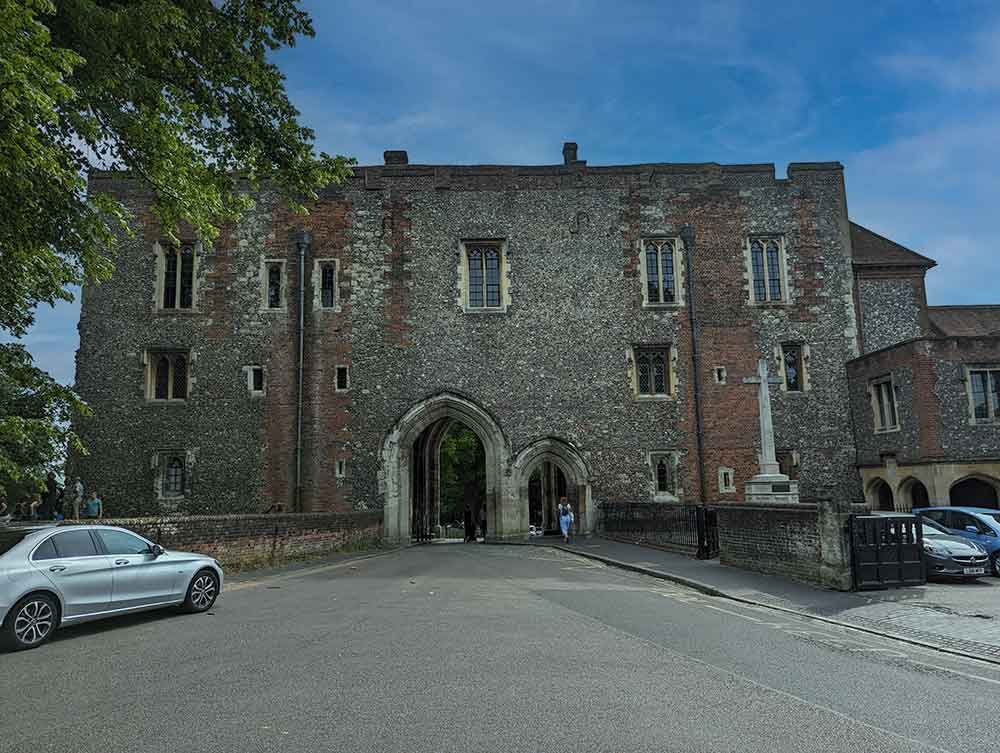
{"x": 408, "y": 476}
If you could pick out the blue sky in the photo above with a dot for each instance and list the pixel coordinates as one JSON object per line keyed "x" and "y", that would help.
{"x": 904, "y": 93}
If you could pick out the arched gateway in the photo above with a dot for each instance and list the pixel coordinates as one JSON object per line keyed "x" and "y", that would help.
{"x": 409, "y": 471}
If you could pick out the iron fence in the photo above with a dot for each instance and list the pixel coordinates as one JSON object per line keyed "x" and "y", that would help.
{"x": 692, "y": 529}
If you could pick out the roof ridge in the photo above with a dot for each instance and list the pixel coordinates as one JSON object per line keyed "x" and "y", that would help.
{"x": 894, "y": 243}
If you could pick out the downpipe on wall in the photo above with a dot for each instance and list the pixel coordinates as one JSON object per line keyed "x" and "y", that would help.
{"x": 687, "y": 238}
{"x": 303, "y": 240}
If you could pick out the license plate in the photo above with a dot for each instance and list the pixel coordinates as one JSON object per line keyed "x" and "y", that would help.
{"x": 974, "y": 571}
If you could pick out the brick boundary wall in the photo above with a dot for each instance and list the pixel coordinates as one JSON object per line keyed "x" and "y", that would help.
{"x": 807, "y": 541}
{"x": 772, "y": 539}
{"x": 245, "y": 541}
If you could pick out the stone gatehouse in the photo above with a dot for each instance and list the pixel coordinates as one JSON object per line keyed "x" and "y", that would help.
{"x": 592, "y": 325}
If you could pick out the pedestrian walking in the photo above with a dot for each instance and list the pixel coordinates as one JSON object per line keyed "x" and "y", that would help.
{"x": 565, "y": 519}
{"x": 470, "y": 529}
{"x": 482, "y": 520}
{"x": 94, "y": 508}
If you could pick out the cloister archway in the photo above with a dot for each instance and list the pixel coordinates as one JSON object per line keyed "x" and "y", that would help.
{"x": 408, "y": 475}
{"x": 880, "y": 496}
{"x": 560, "y": 470}
{"x": 914, "y": 493}
{"x": 975, "y": 491}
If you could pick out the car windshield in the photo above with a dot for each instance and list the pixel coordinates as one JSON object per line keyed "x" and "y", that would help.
{"x": 931, "y": 530}
{"x": 10, "y": 539}
{"x": 995, "y": 516}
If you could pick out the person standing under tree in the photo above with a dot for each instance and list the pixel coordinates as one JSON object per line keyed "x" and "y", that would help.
{"x": 470, "y": 528}
{"x": 94, "y": 507}
{"x": 482, "y": 520}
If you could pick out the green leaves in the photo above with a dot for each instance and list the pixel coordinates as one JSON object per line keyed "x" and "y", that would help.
{"x": 36, "y": 414}
{"x": 179, "y": 93}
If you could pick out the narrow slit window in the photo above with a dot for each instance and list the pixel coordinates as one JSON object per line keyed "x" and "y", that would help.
{"x": 257, "y": 378}
{"x": 187, "y": 278}
{"x": 341, "y": 468}
{"x": 492, "y": 259}
{"x": 663, "y": 466}
{"x": 173, "y": 482}
{"x": 274, "y": 286}
{"x": 791, "y": 356}
{"x": 343, "y": 378}
{"x": 662, "y": 475}
{"x": 170, "y": 280}
{"x": 328, "y": 283}
{"x": 773, "y": 272}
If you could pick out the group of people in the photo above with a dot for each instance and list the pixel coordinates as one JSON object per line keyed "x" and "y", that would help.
{"x": 58, "y": 503}
{"x": 566, "y": 520}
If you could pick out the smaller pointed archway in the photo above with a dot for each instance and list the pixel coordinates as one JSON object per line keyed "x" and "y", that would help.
{"x": 544, "y": 471}
{"x": 974, "y": 491}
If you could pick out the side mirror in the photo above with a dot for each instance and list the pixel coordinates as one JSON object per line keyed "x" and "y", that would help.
{"x": 156, "y": 550}
{"x": 972, "y": 529}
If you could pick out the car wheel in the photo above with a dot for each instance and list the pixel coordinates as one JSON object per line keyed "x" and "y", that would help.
{"x": 996, "y": 564}
{"x": 202, "y": 592}
{"x": 31, "y": 622}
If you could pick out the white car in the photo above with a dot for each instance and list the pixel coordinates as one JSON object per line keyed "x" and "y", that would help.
{"x": 52, "y": 576}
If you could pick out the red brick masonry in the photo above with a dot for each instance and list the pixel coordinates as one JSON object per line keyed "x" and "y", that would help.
{"x": 256, "y": 540}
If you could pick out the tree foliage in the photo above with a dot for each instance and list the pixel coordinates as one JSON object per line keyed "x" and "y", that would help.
{"x": 463, "y": 473}
{"x": 181, "y": 94}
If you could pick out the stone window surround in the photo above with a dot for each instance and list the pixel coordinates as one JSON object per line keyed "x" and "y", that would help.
{"x": 340, "y": 468}
{"x": 265, "y": 264}
{"x": 786, "y": 291}
{"x": 633, "y": 372}
{"x": 317, "y": 280}
{"x": 674, "y": 458}
{"x": 158, "y": 463}
{"x": 875, "y": 384}
{"x": 463, "y": 276}
{"x": 680, "y": 272}
{"x": 160, "y": 271}
{"x": 719, "y": 374}
{"x": 149, "y": 358}
{"x": 779, "y": 360}
{"x": 727, "y": 480}
{"x": 336, "y": 377}
{"x": 248, "y": 370}
{"x": 993, "y": 407}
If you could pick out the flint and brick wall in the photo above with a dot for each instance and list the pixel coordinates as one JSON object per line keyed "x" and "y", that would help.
{"x": 553, "y": 365}
{"x": 254, "y": 540}
{"x": 772, "y": 539}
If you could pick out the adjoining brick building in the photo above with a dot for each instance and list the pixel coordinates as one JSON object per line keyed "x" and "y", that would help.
{"x": 592, "y": 325}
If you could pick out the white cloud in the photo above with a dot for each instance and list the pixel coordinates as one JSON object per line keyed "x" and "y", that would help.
{"x": 977, "y": 70}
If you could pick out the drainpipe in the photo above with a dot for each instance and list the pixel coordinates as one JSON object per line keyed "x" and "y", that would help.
{"x": 687, "y": 236}
{"x": 303, "y": 240}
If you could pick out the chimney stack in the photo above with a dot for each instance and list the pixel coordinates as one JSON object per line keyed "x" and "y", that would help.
{"x": 569, "y": 152}
{"x": 396, "y": 157}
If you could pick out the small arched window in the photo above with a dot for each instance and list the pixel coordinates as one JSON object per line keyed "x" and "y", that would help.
{"x": 168, "y": 378}
{"x": 173, "y": 479}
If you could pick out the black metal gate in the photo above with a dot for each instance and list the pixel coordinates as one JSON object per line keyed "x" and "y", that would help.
{"x": 691, "y": 529}
{"x": 887, "y": 551}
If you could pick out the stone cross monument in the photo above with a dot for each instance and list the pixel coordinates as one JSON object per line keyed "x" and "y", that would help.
{"x": 770, "y": 484}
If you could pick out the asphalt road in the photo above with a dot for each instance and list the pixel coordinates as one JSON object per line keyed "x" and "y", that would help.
{"x": 486, "y": 648}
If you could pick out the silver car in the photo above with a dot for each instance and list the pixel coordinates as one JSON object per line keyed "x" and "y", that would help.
{"x": 52, "y": 576}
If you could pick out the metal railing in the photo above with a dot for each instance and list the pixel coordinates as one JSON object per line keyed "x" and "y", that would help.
{"x": 692, "y": 529}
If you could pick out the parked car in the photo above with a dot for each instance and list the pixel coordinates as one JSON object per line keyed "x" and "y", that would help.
{"x": 978, "y": 524}
{"x": 950, "y": 556}
{"x": 51, "y": 576}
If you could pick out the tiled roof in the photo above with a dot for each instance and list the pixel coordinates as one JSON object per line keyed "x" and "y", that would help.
{"x": 965, "y": 320}
{"x": 872, "y": 249}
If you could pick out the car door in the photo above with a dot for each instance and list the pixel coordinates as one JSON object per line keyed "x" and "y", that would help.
{"x": 140, "y": 579}
{"x": 73, "y": 563}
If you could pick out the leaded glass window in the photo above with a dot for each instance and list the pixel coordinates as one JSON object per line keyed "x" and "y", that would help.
{"x": 178, "y": 278}
{"x": 664, "y": 474}
{"x": 884, "y": 404}
{"x": 661, "y": 280}
{"x": 169, "y": 376}
{"x": 985, "y": 388}
{"x": 173, "y": 479}
{"x": 652, "y": 371}
{"x": 485, "y": 278}
{"x": 766, "y": 270}
{"x": 791, "y": 355}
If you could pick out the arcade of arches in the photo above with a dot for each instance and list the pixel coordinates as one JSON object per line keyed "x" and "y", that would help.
{"x": 926, "y": 486}
{"x": 516, "y": 490}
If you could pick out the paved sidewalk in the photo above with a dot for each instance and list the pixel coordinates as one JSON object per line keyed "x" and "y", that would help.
{"x": 958, "y": 617}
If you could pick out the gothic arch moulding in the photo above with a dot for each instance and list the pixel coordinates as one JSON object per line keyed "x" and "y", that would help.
{"x": 398, "y": 457}
{"x": 573, "y": 466}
